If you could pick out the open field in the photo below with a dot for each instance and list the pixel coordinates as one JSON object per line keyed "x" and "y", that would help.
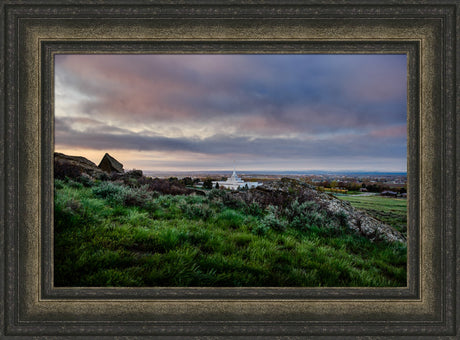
{"x": 109, "y": 234}
{"x": 392, "y": 211}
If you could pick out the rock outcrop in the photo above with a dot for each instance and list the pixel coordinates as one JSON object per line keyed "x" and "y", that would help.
{"x": 283, "y": 191}
{"x": 134, "y": 174}
{"x": 111, "y": 165}
{"x": 74, "y": 166}
{"x": 361, "y": 222}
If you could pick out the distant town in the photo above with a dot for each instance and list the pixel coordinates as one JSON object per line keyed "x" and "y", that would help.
{"x": 392, "y": 184}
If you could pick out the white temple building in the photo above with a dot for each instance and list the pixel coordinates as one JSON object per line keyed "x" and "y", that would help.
{"x": 234, "y": 182}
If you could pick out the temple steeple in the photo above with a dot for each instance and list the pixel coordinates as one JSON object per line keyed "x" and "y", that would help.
{"x": 234, "y": 182}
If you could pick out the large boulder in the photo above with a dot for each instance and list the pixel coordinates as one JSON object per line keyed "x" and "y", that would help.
{"x": 111, "y": 165}
{"x": 74, "y": 166}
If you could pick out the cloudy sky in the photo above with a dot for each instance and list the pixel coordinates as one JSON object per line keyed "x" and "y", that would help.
{"x": 265, "y": 112}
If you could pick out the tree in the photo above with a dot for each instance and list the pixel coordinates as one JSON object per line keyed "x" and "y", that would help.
{"x": 217, "y": 185}
{"x": 207, "y": 184}
{"x": 187, "y": 181}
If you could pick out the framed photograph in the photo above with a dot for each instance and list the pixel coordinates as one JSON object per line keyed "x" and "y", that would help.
{"x": 309, "y": 206}
{"x": 252, "y": 169}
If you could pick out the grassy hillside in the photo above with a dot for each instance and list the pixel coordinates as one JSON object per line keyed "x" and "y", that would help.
{"x": 108, "y": 234}
{"x": 392, "y": 211}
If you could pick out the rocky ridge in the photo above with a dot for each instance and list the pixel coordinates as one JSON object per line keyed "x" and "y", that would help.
{"x": 359, "y": 221}
{"x": 74, "y": 166}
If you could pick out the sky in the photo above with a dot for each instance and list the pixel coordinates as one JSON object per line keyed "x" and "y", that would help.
{"x": 260, "y": 112}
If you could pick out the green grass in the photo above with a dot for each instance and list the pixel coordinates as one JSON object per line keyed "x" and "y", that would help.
{"x": 392, "y": 211}
{"x": 117, "y": 236}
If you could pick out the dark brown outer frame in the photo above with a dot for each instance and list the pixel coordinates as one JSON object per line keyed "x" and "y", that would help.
{"x": 33, "y": 31}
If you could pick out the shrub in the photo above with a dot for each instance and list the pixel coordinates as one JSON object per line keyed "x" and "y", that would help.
{"x": 298, "y": 223}
{"x": 226, "y": 198}
{"x": 102, "y": 176}
{"x": 196, "y": 211}
{"x": 297, "y": 210}
{"x": 216, "y": 194}
{"x": 305, "y": 215}
{"x": 164, "y": 186}
{"x": 314, "y": 218}
{"x": 58, "y": 184}
{"x": 272, "y": 222}
{"x": 106, "y": 190}
{"x": 86, "y": 180}
{"x": 74, "y": 184}
{"x": 232, "y": 202}
{"x": 134, "y": 173}
{"x": 254, "y": 209}
{"x": 131, "y": 182}
{"x": 342, "y": 218}
{"x": 260, "y": 229}
{"x": 164, "y": 201}
{"x": 124, "y": 195}
{"x": 139, "y": 197}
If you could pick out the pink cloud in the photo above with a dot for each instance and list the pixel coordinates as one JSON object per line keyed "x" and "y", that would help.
{"x": 392, "y": 131}
{"x": 136, "y": 88}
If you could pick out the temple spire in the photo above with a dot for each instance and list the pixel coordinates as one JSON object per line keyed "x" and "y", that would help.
{"x": 234, "y": 182}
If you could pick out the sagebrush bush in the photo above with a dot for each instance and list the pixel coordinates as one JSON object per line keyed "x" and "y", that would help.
{"x": 260, "y": 229}
{"x": 132, "y": 182}
{"x": 124, "y": 195}
{"x": 271, "y": 221}
{"x": 74, "y": 184}
{"x": 164, "y": 186}
{"x": 86, "y": 180}
{"x": 296, "y": 209}
{"x": 196, "y": 211}
{"x": 102, "y": 176}
{"x": 254, "y": 209}
{"x": 233, "y": 202}
{"x": 304, "y": 216}
{"x": 342, "y": 218}
{"x": 138, "y": 197}
{"x": 226, "y": 198}
{"x": 106, "y": 189}
{"x": 215, "y": 194}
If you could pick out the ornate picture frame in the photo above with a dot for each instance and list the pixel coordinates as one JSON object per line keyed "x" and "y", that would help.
{"x": 426, "y": 31}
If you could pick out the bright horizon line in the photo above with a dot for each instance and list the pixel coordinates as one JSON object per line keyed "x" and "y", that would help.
{"x": 278, "y": 170}
{"x": 131, "y": 165}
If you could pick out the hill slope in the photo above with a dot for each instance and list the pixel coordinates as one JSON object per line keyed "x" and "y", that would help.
{"x": 138, "y": 231}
